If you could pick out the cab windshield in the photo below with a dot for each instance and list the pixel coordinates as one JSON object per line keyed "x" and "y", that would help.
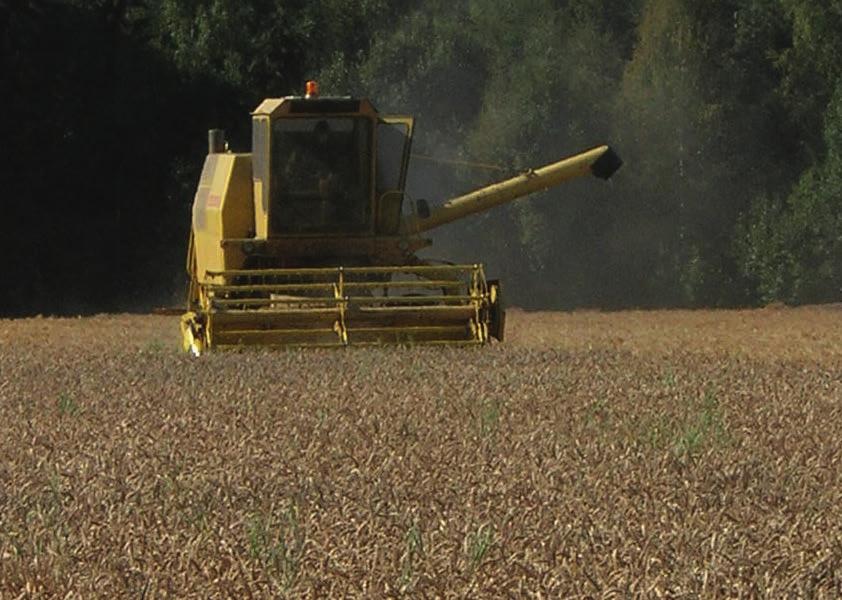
{"x": 321, "y": 175}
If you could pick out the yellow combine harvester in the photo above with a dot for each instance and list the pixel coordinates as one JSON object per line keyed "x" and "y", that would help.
{"x": 307, "y": 241}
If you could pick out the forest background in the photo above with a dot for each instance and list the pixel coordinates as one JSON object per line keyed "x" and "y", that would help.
{"x": 728, "y": 114}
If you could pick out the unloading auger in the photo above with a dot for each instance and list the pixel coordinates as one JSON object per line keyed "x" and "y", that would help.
{"x": 306, "y": 241}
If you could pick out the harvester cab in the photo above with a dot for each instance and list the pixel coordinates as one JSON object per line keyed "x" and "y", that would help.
{"x": 306, "y": 240}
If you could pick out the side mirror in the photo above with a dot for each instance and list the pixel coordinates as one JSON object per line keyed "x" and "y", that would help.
{"x": 422, "y": 208}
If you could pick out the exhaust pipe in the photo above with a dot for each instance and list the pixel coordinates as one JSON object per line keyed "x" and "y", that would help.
{"x": 216, "y": 141}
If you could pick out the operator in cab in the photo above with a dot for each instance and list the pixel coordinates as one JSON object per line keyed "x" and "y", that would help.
{"x": 320, "y": 189}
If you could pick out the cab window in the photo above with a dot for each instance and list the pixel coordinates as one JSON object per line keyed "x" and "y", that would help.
{"x": 321, "y": 175}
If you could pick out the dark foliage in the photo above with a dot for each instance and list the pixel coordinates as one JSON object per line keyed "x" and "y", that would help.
{"x": 728, "y": 117}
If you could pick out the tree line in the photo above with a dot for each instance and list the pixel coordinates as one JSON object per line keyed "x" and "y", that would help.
{"x": 728, "y": 115}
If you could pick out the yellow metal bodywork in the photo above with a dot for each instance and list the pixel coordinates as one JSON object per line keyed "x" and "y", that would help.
{"x": 249, "y": 286}
{"x": 533, "y": 180}
{"x": 260, "y": 189}
{"x": 341, "y": 306}
{"x": 222, "y": 209}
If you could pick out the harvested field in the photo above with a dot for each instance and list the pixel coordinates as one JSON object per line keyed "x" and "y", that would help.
{"x": 592, "y": 455}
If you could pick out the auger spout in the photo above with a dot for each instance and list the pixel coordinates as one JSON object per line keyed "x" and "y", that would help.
{"x": 601, "y": 162}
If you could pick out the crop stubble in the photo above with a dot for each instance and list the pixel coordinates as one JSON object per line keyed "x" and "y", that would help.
{"x": 592, "y": 454}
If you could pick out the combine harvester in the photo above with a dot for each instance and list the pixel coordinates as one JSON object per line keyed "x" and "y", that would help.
{"x": 307, "y": 241}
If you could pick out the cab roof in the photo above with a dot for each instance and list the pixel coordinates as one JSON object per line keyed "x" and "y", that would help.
{"x": 322, "y": 105}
